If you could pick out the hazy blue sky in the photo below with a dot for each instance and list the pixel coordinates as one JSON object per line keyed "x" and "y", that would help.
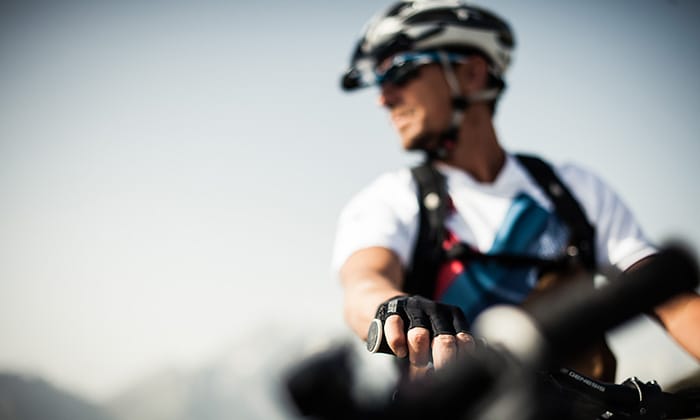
{"x": 171, "y": 172}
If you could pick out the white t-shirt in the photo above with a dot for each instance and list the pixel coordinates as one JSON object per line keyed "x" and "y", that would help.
{"x": 386, "y": 214}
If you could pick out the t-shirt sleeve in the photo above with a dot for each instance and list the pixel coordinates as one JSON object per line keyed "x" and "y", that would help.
{"x": 384, "y": 214}
{"x": 620, "y": 241}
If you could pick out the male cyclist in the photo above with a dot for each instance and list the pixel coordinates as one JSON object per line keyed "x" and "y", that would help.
{"x": 439, "y": 66}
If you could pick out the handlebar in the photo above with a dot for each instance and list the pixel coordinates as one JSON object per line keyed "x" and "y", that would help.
{"x": 516, "y": 375}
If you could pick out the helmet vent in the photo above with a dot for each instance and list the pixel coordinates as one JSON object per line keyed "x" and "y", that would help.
{"x": 434, "y": 16}
{"x": 397, "y": 8}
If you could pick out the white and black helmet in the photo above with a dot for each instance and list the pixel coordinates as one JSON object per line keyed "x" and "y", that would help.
{"x": 421, "y": 25}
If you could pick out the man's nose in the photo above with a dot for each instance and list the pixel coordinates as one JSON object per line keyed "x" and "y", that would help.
{"x": 388, "y": 95}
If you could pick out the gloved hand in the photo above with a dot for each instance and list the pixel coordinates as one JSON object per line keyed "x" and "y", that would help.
{"x": 415, "y": 311}
{"x": 413, "y": 325}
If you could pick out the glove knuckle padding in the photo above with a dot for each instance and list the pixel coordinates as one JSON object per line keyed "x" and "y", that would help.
{"x": 417, "y": 316}
{"x": 417, "y": 311}
{"x": 459, "y": 321}
{"x": 442, "y": 321}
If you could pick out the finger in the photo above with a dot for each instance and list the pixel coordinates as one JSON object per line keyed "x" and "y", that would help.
{"x": 418, "y": 347}
{"x": 444, "y": 350}
{"x": 418, "y": 372}
{"x": 442, "y": 320}
{"x": 459, "y": 321}
{"x": 418, "y": 352}
{"x": 465, "y": 343}
{"x": 415, "y": 314}
{"x": 395, "y": 336}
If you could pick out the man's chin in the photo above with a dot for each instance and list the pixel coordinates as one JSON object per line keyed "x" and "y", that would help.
{"x": 423, "y": 142}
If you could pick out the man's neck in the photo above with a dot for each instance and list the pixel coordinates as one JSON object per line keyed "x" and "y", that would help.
{"x": 478, "y": 151}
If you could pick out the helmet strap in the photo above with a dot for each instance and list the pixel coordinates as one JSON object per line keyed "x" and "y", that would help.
{"x": 448, "y": 139}
{"x": 460, "y": 103}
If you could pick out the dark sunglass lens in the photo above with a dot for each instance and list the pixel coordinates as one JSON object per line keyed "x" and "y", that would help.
{"x": 400, "y": 75}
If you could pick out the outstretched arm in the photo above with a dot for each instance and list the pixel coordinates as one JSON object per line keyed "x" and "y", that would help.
{"x": 371, "y": 277}
{"x": 681, "y": 318}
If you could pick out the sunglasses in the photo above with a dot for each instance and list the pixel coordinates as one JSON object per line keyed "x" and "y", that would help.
{"x": 404, "y": 67}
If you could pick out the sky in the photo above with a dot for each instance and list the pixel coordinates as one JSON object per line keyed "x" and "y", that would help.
{"x": 171, "y": 172}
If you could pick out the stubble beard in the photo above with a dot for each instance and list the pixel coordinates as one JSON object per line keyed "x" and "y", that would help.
{"x": 424, "y": 142}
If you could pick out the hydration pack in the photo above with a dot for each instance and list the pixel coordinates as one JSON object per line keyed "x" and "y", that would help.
{"x": 433, "y": 202}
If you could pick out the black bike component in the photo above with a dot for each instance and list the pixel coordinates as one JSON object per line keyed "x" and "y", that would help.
{"x": 683, "y": 404}
{"x": 415, "y": 311}
{"x": 632, "y": 399}
{"x": 571, "y": 317}
{"x": 433, "y": 202}
{"x": 321, "y": 386}
{"x": 611, "y": 396}
{"x": 456, "y": 393}
{"x": 491, "y": 377}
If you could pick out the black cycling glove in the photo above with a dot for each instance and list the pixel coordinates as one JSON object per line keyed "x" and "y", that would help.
{"x": 415, "y": 311}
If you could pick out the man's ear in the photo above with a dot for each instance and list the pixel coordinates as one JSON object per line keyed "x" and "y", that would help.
{"x": 473, "y": 75}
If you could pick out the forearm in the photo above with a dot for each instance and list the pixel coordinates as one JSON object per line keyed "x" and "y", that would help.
{"x": 369, "y": 277}
{"x": 681, "y": 318}
{"x": 373, "y": 276}
{"x": 362, "y": 299}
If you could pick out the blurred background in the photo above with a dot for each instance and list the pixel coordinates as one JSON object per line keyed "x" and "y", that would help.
{"x": 171, "y": 173}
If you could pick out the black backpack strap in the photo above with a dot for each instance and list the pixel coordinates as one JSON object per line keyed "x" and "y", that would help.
{"x": 428, "y": 253}
{"x": 582, "y": 242}
{"x": 433, "y": 203}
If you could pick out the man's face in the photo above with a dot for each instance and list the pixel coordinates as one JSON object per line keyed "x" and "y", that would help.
{"x": 420, "y": 109}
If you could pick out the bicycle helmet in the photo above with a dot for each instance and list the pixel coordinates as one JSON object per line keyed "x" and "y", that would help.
{"x": 419, "y": 25}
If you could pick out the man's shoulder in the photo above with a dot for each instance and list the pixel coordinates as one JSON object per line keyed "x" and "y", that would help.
{"x": 584, "y": 183}
{"x": 570, "y": 171}
{"x": 393, "y": 191}
{"x": 579, "y": 176}
{"x": 390, "y": 182}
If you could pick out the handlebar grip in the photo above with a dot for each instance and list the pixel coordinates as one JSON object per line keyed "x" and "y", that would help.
{"x": 562, "y": 321}
{"x": 572, "y": 317}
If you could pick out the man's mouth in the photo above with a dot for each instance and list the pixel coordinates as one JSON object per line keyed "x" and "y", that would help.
{"x": 401, "y": 117}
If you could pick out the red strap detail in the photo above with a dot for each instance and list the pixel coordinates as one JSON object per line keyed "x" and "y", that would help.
{"x": 448, "y": 272}
{"x": 450, "y": 269}
{"x": 451, "y": 205}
